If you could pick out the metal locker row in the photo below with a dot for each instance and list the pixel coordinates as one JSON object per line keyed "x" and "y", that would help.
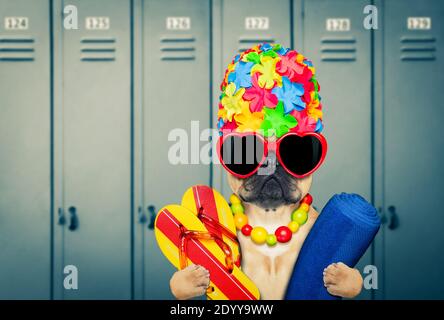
{"x": 89, "y": 222}
{"x": 237, "y": 26}
{"x": 87, "y": 119}
{"x": 172, "y": 97}
{"x": 331, "y": 34}
{"x": 409, "y": 146}
{"x": 92, "y": 150}
{"x": 340, "y": 56}
{"x": 175, "y": 42}
{"x": 374, "y": 125}
{"x": 25, "y": 112}
{"x": 66, "y": 139}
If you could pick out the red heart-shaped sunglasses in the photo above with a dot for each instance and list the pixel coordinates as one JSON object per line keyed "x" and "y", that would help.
{"x": 300, "y": 154}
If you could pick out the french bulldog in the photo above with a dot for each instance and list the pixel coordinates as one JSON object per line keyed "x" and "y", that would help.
{"x": 269, "y": 200}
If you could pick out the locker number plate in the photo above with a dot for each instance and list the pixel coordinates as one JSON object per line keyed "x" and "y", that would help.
{"x": 257, "y": 23}
{"x": 337, "y": 24}
{"x": 419, "y": 23}
{"x": 16, "y": 23}
{"x": 178, "y": 23}
{"x": 97, "y": 23}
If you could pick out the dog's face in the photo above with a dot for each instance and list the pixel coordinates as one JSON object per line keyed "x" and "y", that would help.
{"x": 273, "y": 190}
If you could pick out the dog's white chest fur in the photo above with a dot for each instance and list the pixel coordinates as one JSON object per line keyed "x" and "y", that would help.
{"x": 270, "y": 268}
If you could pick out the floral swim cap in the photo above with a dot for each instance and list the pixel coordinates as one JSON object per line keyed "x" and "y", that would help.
{"x": 271, "y": 89}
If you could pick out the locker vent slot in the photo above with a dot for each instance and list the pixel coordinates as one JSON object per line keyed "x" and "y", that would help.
{"x": 97, "y": 49}
{"x": 338, "y": 49}
{"x": 16, "y": 49}
{"x": 246, "y": 42}
{"x": 417, "y": 48}
{"x": 177, "y": 47}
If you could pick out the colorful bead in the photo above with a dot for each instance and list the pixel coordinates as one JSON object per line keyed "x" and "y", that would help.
{"x": 246, "y": 230}
{"x": 237, "y": 208}
{"x": 271, "y": 240}
{"x": 308, "y": 199}
{"x": 240, "y": 220}
{"x": 283, "y": 234}
{"x": 299, "y": 216}
{"x": 234, "y": 199}
{"x": 304, "y": 207}
{"x": 293, "y": 226}
{"x": 259, "y": 235}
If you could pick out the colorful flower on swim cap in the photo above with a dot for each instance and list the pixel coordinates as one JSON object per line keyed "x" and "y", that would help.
{"x": 290, "y": 94}
{"x": 305, "y": 122}
{"x": 276, "y": 122}
{"x": 272, "y": 88}
{"x": 241, "y": 74}
{"x": 249, "y": 121}
{"x": 288, "y": 66}
{"x": 232, "y": 102}
{"x": 259, "y": 97}
{"x": 267, "y": 68}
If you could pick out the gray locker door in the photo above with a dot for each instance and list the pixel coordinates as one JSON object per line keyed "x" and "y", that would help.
{"x": 413, "y": 150}
{"x": 245, "y": 24}
{"x": 175, "y": 84}
{"x": 343, "y": 69}
{"x": 24, "y": 150}
{"x": 93, "y": 150}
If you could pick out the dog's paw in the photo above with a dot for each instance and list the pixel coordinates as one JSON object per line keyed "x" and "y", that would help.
{"x": 190, "y": 282}
{"x": 343, "y": 281}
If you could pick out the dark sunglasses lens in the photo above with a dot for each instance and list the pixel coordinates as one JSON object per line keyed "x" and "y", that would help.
{"x": 242, "y": 155}
{"x": 300, "y": 154}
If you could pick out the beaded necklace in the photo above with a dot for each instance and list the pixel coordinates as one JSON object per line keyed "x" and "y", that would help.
{"x": 258, "y": 234}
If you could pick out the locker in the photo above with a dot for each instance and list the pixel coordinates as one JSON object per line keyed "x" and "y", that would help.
{"x": 172, "y": 78}
{"x": 410, "y": 49}
{"x": 244, "y": 24}
{"x": 25, "y": 111}
{"x": 92, "y": 150}
{"x": 330, "y": 33}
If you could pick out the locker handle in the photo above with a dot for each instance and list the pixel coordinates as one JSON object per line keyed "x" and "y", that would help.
{"x": 142, "y": 215}
{"x": 61, "y": 216}
{"x": 393, "y": 218}
{"x": 152, "y": 211}
{"x": 73, "y": 219}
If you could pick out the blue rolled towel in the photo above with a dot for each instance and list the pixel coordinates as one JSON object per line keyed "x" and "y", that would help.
{"x": 342, "y": 233}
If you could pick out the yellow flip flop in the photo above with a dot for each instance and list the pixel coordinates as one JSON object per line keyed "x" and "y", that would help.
{"x": 201, "y": 198}
{"x": 173, "y": 225}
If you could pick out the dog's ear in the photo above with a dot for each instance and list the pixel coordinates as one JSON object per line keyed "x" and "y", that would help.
{"x": 234, "y": 183}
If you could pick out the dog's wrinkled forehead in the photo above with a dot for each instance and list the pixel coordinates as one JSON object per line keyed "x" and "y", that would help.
{"x": 271, "y": 90}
